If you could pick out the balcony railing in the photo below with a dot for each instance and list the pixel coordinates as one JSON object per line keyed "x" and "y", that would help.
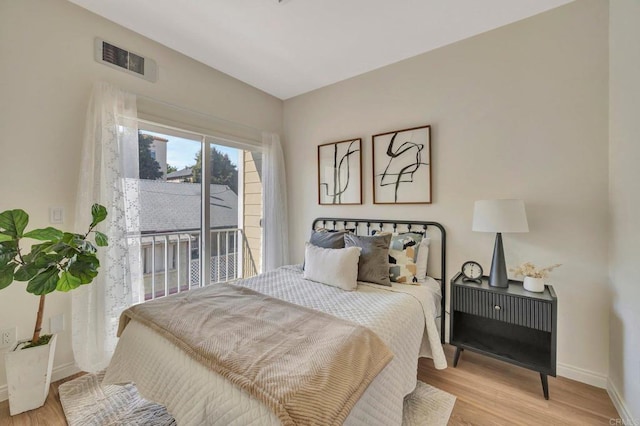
{"x": 171, "y": 260}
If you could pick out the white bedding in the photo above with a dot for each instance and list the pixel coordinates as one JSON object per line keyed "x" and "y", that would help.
{"x": 403, "y": 316}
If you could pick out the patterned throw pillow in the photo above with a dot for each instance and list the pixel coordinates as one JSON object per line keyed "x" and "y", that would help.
{"x": 403, "y": 254}
{"x": 423, "y": 258}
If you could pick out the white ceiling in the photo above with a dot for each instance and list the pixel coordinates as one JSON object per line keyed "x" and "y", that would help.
{"x": 296, "y": 46}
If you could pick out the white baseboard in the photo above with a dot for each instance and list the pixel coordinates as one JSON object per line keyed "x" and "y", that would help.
{"x": 60, "y": 372}
{"x": 63, "y": 371}
{"x": 581, "y": 375}
{"x": 621, "y": 406}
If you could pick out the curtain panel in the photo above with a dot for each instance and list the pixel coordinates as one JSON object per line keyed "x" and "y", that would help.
{"x": 275, "y": 239}
{"x": 108, "y": 175}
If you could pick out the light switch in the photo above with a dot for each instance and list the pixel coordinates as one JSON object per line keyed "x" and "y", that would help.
{"x": 56, "y": 215}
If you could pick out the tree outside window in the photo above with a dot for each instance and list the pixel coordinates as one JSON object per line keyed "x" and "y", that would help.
{"x": 223, "y": 171}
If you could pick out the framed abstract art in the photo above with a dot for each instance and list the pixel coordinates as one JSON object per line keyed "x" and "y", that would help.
{"x": 340, "y": 172}
{"x": 402, "y": 166}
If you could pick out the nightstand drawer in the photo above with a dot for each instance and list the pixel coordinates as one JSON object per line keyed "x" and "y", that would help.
{"x": 522, "y": 311}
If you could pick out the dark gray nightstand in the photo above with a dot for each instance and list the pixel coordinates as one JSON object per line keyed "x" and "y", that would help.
{"x": 509, "y": 324}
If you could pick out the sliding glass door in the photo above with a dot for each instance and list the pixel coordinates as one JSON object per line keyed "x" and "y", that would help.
{"x": 197, "y": 198}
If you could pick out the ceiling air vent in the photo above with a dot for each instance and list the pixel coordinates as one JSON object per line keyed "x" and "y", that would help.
{"x": 117, "y": 57}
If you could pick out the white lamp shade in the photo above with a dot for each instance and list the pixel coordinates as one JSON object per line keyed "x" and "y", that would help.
{"x": 500, "y": 216}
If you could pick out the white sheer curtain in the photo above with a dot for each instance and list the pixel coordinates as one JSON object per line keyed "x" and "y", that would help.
{"x": 275, "y": 241}
{"x": 109, "y": 157}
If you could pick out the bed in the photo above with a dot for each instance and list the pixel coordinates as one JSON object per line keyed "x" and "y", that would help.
{"x": 406, "y": 317}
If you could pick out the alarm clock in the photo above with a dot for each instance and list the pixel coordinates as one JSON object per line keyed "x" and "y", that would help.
{"x": 471, "y": 272}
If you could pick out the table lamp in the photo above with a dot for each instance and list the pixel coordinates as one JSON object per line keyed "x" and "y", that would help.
{"x": 499, "y": 216}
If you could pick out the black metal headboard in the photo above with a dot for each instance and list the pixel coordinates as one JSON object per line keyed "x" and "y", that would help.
{"x": 370, "y": 225}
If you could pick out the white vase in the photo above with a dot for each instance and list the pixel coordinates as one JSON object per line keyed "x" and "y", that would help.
{"x": 534, "y": 284}
{"x": 29, "y": 376}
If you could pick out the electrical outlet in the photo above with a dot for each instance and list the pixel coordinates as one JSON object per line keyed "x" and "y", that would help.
{"x": 8, "y": 336}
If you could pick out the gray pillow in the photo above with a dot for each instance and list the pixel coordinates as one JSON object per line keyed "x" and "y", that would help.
{"x": 326, "y": 239}
{"x": 373, "y": 265}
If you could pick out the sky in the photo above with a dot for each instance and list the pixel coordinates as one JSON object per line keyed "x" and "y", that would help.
{"x": 181, "y": 152}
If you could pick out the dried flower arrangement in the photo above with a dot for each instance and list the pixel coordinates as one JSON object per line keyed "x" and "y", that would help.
{"x": 528, "y": 269}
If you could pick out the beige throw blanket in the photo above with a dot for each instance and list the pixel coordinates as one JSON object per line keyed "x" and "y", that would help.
{"x": 309, "y": 367}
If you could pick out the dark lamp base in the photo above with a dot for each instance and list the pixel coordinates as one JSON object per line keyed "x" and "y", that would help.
{"x": 498, "y": 276}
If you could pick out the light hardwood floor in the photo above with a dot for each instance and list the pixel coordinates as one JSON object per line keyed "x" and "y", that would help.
{"x": 488, "y": 392}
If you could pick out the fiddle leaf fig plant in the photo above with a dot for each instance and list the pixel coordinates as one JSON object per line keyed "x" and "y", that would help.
{"x": 62, "y": 261}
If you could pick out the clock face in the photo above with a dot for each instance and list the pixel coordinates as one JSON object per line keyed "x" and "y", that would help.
{"x": 471, "y": 270}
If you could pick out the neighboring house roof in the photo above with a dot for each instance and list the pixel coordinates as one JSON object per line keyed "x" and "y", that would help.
{"x": 167, "y": 206}
{"x": 187, "y": 172}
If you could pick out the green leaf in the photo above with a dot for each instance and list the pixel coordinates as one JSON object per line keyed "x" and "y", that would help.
{"x": 6, "y": 275}
{"x": 68, "y": 282}
{"x": 38, "y": 250}
{"x": 43, "y": 261}
{"x": 5, "y": 237}
{"x": 101, "y": 239}
{"x": 85, "y": 267}
{"x": 8, "y": 250}
{"x": 83, "y": 246}
{"x": 45, "y": 282}
{"x": 65, "y": 250}
{"x": 26, "y": 272}
{"x": 68, "y": 237}
{"x": 99, "y": 213}
{"x": 4, "y": 261}
{"x": 45, "y": 234}
{"x": 13, "y": 222}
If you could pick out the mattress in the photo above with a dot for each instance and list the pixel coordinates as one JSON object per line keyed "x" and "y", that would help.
{"x": 403, "y": 316}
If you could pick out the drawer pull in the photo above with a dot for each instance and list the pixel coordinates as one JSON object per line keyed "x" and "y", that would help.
{"x": 497, "y": 307}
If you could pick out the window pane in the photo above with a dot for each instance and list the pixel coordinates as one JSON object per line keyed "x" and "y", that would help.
{"x": 223, "y": 203}
{"x": 170, "y": 214}
{"x": 171, "y": 196}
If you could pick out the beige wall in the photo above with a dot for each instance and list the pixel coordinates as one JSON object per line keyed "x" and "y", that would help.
{"x": 624, "y": 176}
{"x": 46, "y": 73}
{"x": 519, "y": 112}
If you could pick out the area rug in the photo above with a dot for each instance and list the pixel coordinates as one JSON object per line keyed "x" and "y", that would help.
{"x": 427, "y": 406}
{"x": 87, "y": 403}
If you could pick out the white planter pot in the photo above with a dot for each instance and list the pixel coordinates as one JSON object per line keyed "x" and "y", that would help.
{"x": 534, "y": 284}
{"x": 29, "y": 376}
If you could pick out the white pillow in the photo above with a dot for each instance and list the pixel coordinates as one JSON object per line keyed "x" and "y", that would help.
{"x": 334, "y": 267}
{"x": 422, "y": 259}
